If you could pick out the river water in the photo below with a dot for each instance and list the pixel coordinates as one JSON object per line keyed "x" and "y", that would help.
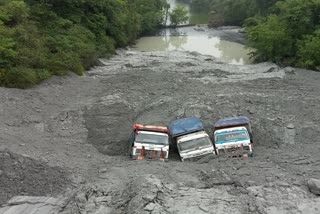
{"x": 222, "y": 43}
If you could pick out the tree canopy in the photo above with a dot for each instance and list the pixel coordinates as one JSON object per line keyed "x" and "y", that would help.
{"x": 283, "y": 31}
{"x": 41, "y": 38}
{"x": 179, "y": 15}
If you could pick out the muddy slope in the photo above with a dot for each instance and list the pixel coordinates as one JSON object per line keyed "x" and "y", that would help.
{"x": 82, "y": 124}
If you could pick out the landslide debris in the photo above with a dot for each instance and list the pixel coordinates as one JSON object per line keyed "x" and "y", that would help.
{"x": 20, "y": 175}
{"x": 81, "y": 125}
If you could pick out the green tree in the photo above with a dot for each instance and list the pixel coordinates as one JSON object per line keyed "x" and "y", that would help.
{"x": 270, "y": 39}
{"x": 41, "y": 38}
{"x": 309, "y": 51}
{"x": 179, "y": 15}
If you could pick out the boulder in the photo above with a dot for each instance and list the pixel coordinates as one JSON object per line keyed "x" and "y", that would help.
{"x": 314, "y": 186}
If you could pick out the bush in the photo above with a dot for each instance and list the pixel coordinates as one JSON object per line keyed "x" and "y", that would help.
{"x": 270, "y": 39}
{"x": 179, "y": 15}
{"x": 309, "y": 51}
{"x": 40, "y": 38}
{"x": 20, "y": 78}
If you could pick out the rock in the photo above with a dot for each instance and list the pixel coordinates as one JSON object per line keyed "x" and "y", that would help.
{"x": 1, "y": 172}
{"x": 81, "y": 198}
{"x": 198, "y": 29}
{"x": 289, "y": 70}
{"x": 103, "y": 170}
{"x": 150, "y": 207}
{"x": 272, "y": 69}
{"x": 103, "y": 210}
{"x": 314, "y": 186}
{"x": 290, "y": 126}
{"x": 35, "y": 205}
{"x": 251, "y": 111}
{"x": 148, "y": 197}
{"x": 203, "y": 208}
{"x": 283, "y": 184}
{"x": 89, "y": 156}
{"x": 90, "y": 207}
{"x": 103, "y": 199}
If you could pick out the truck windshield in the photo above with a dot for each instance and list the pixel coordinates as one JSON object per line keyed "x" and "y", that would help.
{"x": 224, "y": 137}
{"x": 152, "y": 138}
{"x": 195, "y": 144}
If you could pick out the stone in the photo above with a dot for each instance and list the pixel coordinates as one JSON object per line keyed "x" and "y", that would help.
{"x": 314, "y": 186}
{"x": 103, "y": 210}
{"x": 35, "y": 205}
{"x": 150, "y": 207}
{"x": 90, "y": 207}
{"x": 1, "y": 172}
{"x": 203, "y": 208}
{"x": 290, "y": 126}
{"x": 251, "y": 111}
{"x": 103, "y": 170}
{"x": 103, "y": 199}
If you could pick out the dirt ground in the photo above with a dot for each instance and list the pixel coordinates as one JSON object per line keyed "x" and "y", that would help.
{"x": 68, "y": 137}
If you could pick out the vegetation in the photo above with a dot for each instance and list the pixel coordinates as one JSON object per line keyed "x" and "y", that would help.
{"x": 41, "y": 38}
{"x": 289, "y": 35}
{"x": 283, "y": 31}
{"x": 179, "y": 15}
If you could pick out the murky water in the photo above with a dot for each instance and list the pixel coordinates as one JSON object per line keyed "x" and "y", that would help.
{"x": 199, "y": 39}
{"x": 208, "y": 43}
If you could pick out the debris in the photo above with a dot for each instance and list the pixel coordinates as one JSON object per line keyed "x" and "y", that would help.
{"x": 314, "y": 186}
{"x": 290, "y": 126}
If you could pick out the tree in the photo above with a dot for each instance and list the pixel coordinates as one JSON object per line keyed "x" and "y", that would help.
{"x": 309, "y": 51}
{"x": 179, "y": 15}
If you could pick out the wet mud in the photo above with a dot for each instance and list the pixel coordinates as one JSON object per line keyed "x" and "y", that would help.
{"x": 81, "y": 125}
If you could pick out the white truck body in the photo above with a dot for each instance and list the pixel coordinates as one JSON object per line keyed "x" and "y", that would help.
{"x": 194, "y": 145}
{"x": 154, "y": 143}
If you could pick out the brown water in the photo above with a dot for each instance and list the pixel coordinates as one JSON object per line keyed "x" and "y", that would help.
{"x": 230, "y": 52}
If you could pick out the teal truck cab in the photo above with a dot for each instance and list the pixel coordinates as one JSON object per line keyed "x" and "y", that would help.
{"x": 233, "y": 135}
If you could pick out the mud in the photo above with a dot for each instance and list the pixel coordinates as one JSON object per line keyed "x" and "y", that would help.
{"x": 77, "y": 129}
{"x": 24, "y": 176}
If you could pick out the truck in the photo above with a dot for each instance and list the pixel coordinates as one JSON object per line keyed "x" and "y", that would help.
{"x": 233, "y": 136}
{"x": 151, "y": 142}
{"x": 190, "y": 138}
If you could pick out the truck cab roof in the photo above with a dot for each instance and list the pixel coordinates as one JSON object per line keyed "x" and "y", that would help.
{"x": 140, "y": 127}
{"x": 185, "y": 125}
{"x": 231, "y": 121}
{"x": 226, "y": 130}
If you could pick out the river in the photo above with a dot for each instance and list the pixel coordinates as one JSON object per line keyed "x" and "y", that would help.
{"x": 221, "y": 43}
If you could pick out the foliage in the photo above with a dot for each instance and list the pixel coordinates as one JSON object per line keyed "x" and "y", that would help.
{"x": 179, "y": 15}
{"x": 270, "y": 39}
{"x": 309, "y": 51}
{"x": 233, "y": 12}
{"x": 200, "y": 5}
{"x": 41, "y": 38}
{"x": 290, "y": 34}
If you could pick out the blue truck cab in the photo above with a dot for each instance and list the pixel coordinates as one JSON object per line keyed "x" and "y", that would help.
{"x": 191, "y": 139}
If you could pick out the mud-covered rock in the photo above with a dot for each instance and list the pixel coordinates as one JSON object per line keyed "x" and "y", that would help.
{"x": 314, "y": 186}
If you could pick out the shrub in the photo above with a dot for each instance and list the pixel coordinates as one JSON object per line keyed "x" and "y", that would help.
{"x": 309, "y": 51}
